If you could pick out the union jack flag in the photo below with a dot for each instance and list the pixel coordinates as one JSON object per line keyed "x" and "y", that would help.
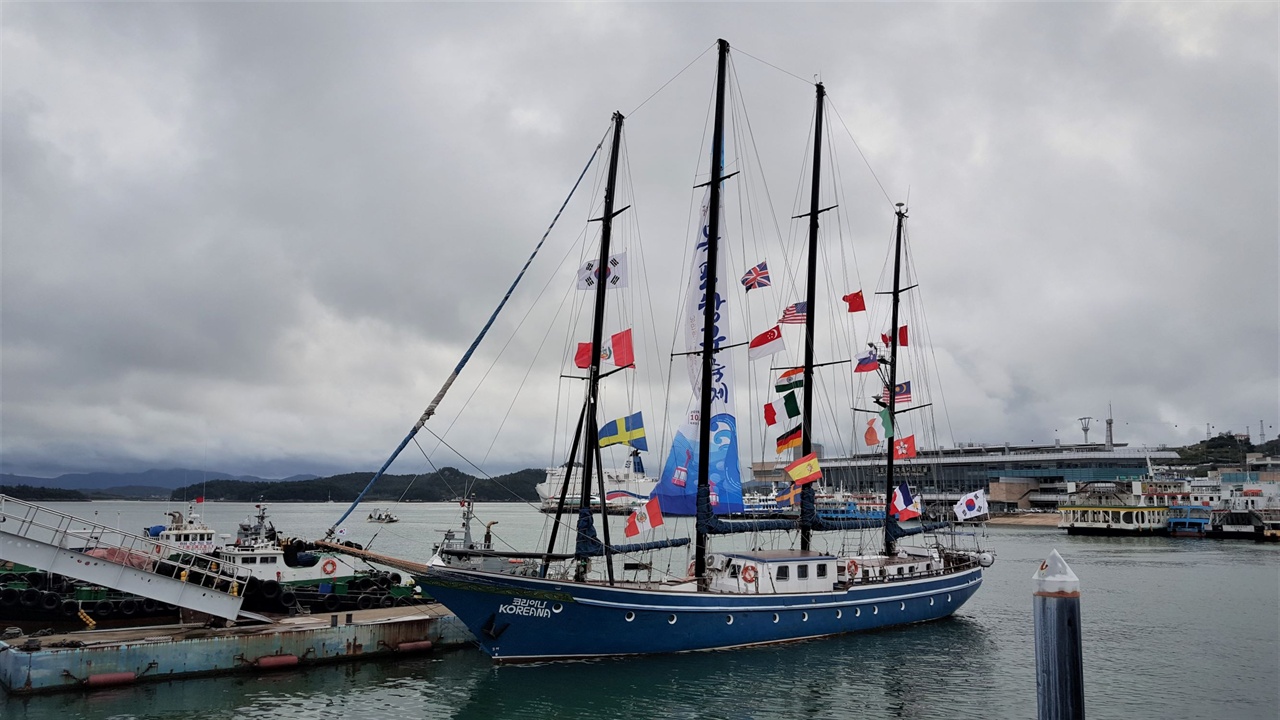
{"x": 757, "y": 277}
{"x": 795, "y": 314}
{"x": 901, "y": 392}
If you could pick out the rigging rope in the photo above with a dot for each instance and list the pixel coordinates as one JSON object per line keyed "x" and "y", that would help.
{"x": 431, "y": 409}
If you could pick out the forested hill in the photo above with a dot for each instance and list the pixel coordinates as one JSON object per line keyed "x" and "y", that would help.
{"x": 444, "y": 485}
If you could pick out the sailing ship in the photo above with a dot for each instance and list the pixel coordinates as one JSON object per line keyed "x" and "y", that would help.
{"x": 729, "y": 598}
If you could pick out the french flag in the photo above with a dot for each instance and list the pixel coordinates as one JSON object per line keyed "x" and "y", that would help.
{"x": 904, "y": 505}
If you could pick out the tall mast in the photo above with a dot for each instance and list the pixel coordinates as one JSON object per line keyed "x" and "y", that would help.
{"x": 591, "y": 449}
{"x": 807, "y": 509}
{"x": 710, "y": 309}
{"x": 893, "y": 374}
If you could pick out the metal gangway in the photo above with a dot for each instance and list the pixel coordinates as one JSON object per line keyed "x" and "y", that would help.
{"x": 85, "y": 550}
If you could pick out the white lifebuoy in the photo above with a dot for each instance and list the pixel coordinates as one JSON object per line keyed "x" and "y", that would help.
{"x": 329, "y": 567}
{"x": 749, "y": 574}
{"x": 852, "y": 567}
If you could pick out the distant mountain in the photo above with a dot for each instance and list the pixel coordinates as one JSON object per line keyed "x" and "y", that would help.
{"x": 446, "y": 484}
{"x": 156, "y": 479}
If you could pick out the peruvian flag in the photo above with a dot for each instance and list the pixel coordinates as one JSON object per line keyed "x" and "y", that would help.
{"x": 618, "y": 351}
{"x": 902, "y": 337}
{"x": 644, "y": 518}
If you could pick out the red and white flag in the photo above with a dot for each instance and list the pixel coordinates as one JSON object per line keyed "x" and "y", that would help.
{"x": 618, "y": 351}
{"x": 904, "y": 448}
{"x": 766, "y": 343}
{"x": 902, "y": 337}
{"x": 644, "y": 518}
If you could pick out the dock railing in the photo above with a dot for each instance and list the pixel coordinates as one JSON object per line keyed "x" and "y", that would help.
{"x": 86, "y": 550}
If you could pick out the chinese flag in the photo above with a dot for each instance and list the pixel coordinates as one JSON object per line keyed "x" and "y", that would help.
{"x": 856, "y": 303}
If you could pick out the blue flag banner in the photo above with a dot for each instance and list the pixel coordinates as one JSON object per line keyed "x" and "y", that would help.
{"x": 677, "y": 491}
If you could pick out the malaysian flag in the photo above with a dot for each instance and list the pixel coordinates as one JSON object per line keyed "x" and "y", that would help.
{"x": 901, "y": 392}
{"x": 795, "y": 314}
{"x": 757, "y": 277}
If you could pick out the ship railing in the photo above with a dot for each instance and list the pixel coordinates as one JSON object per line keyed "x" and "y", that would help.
{"x": 39, "y": 524}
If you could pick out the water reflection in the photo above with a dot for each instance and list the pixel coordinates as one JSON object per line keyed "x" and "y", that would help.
{"x": 825, "y": 678}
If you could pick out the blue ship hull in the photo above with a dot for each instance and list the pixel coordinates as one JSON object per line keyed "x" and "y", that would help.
{"x": 519, "y": 619}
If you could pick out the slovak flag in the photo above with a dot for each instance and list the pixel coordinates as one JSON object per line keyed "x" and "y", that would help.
{"x": 644, "y": 518}
{"x": 905, "y": 507}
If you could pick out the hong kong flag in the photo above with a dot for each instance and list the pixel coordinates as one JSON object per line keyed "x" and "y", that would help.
{"x": 904, "y": 448}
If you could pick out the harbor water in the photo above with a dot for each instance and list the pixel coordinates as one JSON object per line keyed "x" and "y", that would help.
{"x": 1173, "y": 628}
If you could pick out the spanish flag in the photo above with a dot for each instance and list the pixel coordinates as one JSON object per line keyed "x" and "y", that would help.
{"x": 790, "y": 439}
{"x": 805, "y": 470}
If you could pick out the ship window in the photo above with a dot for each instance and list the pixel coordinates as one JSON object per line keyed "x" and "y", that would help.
{"x": 268, "y": 561}
{"x": 802, "y": 572}
{"x": 733, "y": 570}
{"x": 783, "y": 573}
{"x": 250, "y": 560}
{"x": 822, "y": 570}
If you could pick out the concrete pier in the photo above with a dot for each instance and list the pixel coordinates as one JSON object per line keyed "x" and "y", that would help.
{"x": 102, "y": 658}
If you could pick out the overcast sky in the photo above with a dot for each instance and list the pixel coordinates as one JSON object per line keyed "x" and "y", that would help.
{"x": 258, "y": 237}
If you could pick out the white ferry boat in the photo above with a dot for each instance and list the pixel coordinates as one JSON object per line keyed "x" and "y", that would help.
{"x": 624, "y": 489}
{"x": 1124, "y": 506}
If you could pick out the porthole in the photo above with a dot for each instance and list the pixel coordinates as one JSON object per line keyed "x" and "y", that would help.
{"x": 671, "y": 619}
{"x": 930, "y": 602}
{"x": 728, "y": 619}
{"x": 839, "y": 614}
{"x": 775, "y": 617}
{"x": 948, "y": 597}
{"x": 902, "y": 606}
{"x": 804, "y": 617}
{"x": 557, "y": 608}
{"x": 875, "y": 609}
{"x": 857, "y": 612}
{"x": 630, "y": 616}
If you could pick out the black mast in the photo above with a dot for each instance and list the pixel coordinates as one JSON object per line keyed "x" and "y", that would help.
{"x": 893, "y": 377}
{"x": 807, "y": 509}
{"x": 710, "y": 309}
{"x": 591, "y": 450}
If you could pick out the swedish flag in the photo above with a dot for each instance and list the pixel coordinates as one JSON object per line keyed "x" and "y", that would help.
{"x": 629, "y": 430}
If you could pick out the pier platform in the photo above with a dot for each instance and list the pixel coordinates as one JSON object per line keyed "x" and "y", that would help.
{"x": 105, "y": 658}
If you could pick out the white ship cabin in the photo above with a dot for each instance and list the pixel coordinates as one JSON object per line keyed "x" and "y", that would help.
{"x": 190, "y": 535}
{"x": 791, "y": 571}
{"x": 772, "y": 571}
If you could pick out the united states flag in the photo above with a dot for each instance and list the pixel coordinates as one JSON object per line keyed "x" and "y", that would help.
{"x": 795, "y": 314}
{"x": 757, "y": 277}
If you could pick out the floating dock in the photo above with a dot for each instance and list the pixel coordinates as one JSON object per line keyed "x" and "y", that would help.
{"x": 106, "y": 658}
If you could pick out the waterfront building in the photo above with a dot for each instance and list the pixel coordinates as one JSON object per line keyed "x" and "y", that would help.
{"x": 1016, "y": 477}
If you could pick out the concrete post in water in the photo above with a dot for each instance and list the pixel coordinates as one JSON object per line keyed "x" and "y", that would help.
{"x": 1059, "y": 660}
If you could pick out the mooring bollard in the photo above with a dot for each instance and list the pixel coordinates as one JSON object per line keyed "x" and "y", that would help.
{"x": 1059, "y": 660}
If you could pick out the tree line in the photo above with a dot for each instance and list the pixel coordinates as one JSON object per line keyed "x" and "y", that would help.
{"x": 443, "y": 485}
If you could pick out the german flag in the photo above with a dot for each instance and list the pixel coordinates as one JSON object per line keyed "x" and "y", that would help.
{"x": 790, "y": 439}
